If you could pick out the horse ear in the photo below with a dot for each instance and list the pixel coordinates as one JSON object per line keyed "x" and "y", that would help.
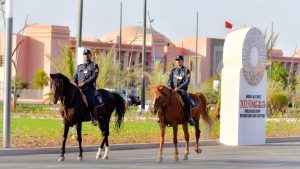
{"x": 52, "y": 75}
{"x": 151, "y": 87}
{"x": 160, "y": 87}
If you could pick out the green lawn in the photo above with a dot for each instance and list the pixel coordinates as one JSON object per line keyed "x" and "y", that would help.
{"x": 48, "y": 132}
{"x": 40, "y": 126}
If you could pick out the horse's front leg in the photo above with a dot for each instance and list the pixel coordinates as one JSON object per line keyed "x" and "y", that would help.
{"x": 79, "y": 139}
{"x": 66, "y": 131}
{"x": 101, "y": 126}
{"x": 161, "y": 142}
{"x": 187, "y": 139}
{"x": 175, "y": 141}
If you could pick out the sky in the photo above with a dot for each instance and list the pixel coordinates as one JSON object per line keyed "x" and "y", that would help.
{"x": 175, "y": 19}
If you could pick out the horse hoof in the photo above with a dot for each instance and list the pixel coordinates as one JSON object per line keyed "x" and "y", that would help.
{"x": 98, "y": 156}
{"x": 185, "y": 157}
{"x": 60, "y": 159}
{"x": 79, "y": 158}
{"x": 198, "y": 150}
{"x": 105, "y": 157}
{"x": 176, "y": 158}
{"x": 159, "y": 159}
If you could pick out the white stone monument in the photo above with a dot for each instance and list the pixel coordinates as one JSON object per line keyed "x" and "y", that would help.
{"x": 243, "y": 88}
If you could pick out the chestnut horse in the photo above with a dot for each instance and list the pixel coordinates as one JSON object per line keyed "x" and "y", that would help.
{"x": 169, "y": 106}
{"x": 74, "y": 111}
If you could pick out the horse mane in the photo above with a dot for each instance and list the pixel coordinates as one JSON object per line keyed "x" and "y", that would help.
{"x": 65, "y": 78}
{"x": 157, "y": 90}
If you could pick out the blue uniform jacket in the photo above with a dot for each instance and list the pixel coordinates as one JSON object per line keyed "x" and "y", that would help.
{"x": 180, "y": 78}
{"x": 87, "y": 73}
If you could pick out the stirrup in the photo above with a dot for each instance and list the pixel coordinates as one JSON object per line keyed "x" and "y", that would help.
{"x": 191, "y": 121}
{"x": 93, "y": 122}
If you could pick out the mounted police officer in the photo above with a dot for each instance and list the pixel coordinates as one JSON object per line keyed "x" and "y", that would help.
{"x": 179, "y": 80}
{"x": 85, "y": 79}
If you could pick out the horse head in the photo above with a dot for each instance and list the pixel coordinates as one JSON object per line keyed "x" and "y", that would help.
{"x": 161, "y": 97}
{"x": 57, "y": 84}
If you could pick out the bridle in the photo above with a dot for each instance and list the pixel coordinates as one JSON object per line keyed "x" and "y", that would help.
{"x": 60, "y": 96}
{"x": 163, "y": 105}
{"x": 57, "y": 85}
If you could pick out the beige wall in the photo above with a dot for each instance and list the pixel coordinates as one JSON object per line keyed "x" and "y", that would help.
{"x": 189, "y": 46}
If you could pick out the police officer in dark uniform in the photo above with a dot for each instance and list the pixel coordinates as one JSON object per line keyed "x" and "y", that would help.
{"x": 85, "y": 79}
{"x": 179, "y": 80}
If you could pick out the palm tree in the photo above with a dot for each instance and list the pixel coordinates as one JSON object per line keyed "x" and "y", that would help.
{"x": 66, "y": 63}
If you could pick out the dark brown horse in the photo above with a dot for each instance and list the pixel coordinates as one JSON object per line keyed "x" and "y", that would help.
{"x": 74, "y": 111}
{"x": 169, "y": 106}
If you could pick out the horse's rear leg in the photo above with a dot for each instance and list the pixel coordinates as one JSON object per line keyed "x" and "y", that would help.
{"x": 65, "y": 135}
{"x": 175, "y": 141}
{"x": 187, "y": 139}
{"x": 197, "y": 132}
{"x": 161, "y": 143}
{"x": 79, "y": 139}
{"x": 105, "y": 133}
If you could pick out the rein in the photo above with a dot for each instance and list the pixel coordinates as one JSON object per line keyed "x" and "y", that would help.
{"x": 165, "y": 105}
{"x": 63, "y": 98}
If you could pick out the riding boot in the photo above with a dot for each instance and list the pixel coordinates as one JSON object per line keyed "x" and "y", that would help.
{"x": 191, "y": 120}
{"x": 93, "y": 114}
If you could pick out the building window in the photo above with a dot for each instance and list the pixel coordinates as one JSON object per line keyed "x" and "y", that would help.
{"x": 217, "y": 61}
{"x": 1, "y": 60}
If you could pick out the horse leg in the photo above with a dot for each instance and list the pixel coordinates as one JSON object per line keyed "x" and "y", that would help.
{"x": 161, "y": 143}
{"x": 106, "y": 152}
{"x": 66, "y": 131}
{"x": 101, "y": 126}
{"x": 187, "y": 139}
{"x": 79, "y": 139}
{"x": 175, "y": 141}
{"x": 197, "y": 132}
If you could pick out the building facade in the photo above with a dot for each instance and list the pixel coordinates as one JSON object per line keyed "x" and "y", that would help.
{"x": 41, "y": 41}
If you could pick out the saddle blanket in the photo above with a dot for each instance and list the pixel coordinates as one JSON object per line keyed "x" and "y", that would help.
{"x": 99, "y": 100}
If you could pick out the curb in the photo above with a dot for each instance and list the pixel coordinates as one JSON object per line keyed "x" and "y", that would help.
{"x": 282, "y": 139}
{"x": 56, "y": 150}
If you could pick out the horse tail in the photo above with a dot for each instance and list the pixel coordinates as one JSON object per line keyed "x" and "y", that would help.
{"x": 204, "y": 114}
{"x": 120, "y": 110}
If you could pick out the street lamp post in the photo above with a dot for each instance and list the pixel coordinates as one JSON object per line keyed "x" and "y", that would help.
{"x": 7, "y": 78}
{"x": 144, "y": 57}
{"x": 152, "y": 46}
{"x": 196, "y": 67}
{"x": 120, "y": 45}
{"x": 79, "y": 25}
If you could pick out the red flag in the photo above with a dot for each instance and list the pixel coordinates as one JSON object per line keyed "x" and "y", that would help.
{"x": 228, "y": 25}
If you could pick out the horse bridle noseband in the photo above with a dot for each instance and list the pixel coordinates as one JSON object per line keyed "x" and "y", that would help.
{"x": 63, "y": 98}
{"x": 165, "y": 105}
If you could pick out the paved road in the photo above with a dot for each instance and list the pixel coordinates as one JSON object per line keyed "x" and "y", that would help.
{"x": 272, "y": 155}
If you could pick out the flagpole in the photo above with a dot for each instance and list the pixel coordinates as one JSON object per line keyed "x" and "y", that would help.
{"x": 196, "y": 75}
{"x": 271, "y": 50}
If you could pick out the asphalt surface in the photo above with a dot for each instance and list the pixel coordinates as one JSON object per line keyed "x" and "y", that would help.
{"x": 272, "y": 155}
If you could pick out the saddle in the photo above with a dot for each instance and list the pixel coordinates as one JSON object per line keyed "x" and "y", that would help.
{"x": 98, "y": 99}
{"x": 192, "y": 101}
